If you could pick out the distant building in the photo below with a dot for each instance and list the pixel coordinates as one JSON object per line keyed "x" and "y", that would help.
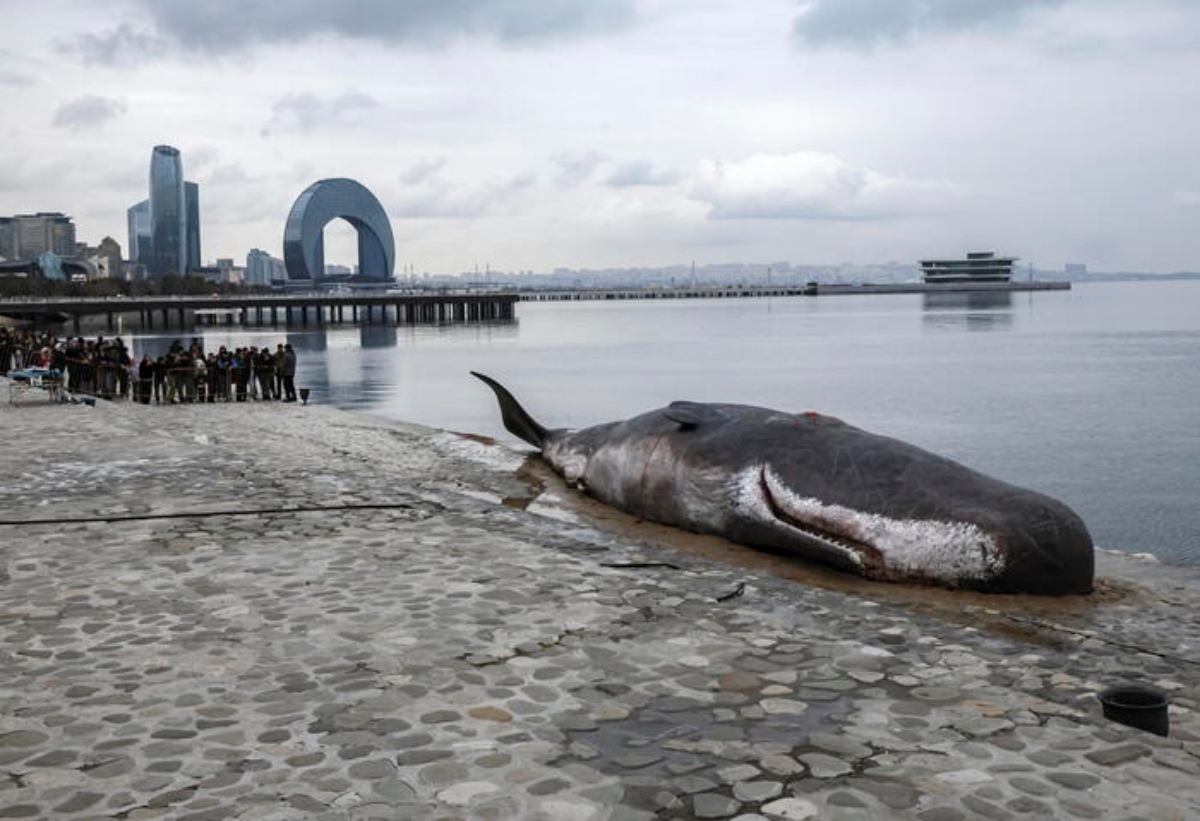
{"x": 140, "y": 247}
{"x": 979, "y": 266}
{"x": 325, "y": 200}
{"x": 28, "y": 236}
{"x": 108, "y": 255}
{"x": 191, "y": 198}
{"x": 1072, "y": 269}
{"x": 8, "y": 228}
{"x": 224, "y": 271}
{"x": 168, "y": 213}
{"x": 263, "y": 269}
{"x": 164, "y": 230}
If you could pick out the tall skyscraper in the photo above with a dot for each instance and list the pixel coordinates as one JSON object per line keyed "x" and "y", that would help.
{"x": 168, "y": 213}
{"x": 140, "y": 245}
{"x": 191, "y": 196}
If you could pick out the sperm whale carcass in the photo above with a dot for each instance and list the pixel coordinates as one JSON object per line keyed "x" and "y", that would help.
{"x": 814, "y": 486}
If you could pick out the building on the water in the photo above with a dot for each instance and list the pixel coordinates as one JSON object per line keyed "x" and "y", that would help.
{"x": 979, "y": 266}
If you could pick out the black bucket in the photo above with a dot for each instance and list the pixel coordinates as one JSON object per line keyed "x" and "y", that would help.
{"x": 1136, "y": 705}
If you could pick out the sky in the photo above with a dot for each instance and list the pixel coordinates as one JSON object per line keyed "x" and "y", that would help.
{"x": 535, "y": 134}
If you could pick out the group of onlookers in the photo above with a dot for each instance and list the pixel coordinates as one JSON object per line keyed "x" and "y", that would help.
{"x": 192, "y": 376}
{"x": 105, "y": 368}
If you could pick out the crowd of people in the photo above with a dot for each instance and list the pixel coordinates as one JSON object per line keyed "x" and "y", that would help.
{"x": 106, "y": 368}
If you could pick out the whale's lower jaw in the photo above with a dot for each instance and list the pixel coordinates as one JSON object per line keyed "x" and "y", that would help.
{"x": 952, "y": 554}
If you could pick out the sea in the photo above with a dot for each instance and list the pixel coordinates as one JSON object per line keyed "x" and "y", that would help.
{"x": 1090, "y": 395}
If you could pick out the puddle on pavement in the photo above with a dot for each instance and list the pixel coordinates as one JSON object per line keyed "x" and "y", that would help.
{"x": 645, "y": 742}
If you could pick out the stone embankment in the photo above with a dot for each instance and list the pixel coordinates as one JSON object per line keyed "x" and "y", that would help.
{"x": 276, "y": 612}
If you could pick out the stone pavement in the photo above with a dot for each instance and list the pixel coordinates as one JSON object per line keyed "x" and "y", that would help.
{"x": 275, "y": 612}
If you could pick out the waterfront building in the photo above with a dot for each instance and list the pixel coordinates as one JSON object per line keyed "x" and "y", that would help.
{"x": 325, "y": 200}
{"x": 979, "y": 266}
{"x": 191, "y": 197}
{"x": 262, "y": 269}
{"x": 141, "y": 232}
{"x": 140, "y": 247}
{"x": 108, "y": 257}
{"x": 168, "y": 213}
{"x": 28, "y": 236}
{"x": 8, "y": 228}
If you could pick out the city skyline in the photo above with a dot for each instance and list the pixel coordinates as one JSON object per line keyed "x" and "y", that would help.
{"x": 566, "y": 134}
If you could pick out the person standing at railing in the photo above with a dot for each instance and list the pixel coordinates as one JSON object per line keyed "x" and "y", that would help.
{"x": 160, "y": 379}
{"x": 277, "y": 358}
{"x": 211, "y": 377}
{"x": 241, "y": 374}
{"x": 199, "y": 375}
{"x": 288, "y": 372}
{"x": 145, "y": 379}
{"x": 264, "y": 372}
{"x": 172, "y": 395}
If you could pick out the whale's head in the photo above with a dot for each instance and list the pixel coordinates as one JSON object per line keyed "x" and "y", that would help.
{"x": 891, "y": 511}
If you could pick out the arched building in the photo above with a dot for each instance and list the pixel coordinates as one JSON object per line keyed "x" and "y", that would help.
{"x": 326, "y": 200}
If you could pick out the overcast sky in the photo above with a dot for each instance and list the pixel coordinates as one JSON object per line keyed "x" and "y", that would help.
{"x": 530, "y": 134}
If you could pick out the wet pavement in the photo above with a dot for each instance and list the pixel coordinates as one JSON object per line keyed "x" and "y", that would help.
{"x": 274, "y": 611}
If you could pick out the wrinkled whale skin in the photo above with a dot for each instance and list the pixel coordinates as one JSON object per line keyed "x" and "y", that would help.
{"x": 817, "y": 487}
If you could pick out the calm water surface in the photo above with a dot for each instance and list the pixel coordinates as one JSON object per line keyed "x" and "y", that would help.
{"x": 1090, "y": 395}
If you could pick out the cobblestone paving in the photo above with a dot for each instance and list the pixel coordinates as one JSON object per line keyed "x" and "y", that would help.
{"x": 413, "y": 644}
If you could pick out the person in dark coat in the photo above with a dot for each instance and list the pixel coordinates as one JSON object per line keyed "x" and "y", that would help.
{"x": 264, "y": 371}
{"x": 160, "y": 379}
{"x": 145, "y": 374}
{"x": 288, "y": 373}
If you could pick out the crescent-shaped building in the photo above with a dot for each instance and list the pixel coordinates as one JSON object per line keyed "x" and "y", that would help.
{"x": 325, "y": 200}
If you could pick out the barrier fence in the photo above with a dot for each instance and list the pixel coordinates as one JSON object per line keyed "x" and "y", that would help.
{"x": 223, "y": 381}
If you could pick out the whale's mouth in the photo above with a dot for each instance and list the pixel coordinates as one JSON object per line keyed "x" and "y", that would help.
{"x": 821, "y": 528}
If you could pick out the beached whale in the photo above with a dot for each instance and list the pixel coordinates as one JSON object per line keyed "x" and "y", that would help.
{"x": 827, "y": 491}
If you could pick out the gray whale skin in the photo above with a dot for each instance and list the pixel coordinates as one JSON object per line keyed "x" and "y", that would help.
{"x": 814, "y": 486}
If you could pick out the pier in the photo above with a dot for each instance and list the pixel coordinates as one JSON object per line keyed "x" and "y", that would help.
{"x": 810, "y": 289}
{"x": 272, "y": 309}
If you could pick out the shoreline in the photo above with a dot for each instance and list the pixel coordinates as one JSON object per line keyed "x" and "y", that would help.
{"x": 485, "y": 644}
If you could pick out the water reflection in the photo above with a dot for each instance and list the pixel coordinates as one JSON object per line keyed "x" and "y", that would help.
{"x": 377, "y": 336}
{"x": 312, "y": 341}
{"x": 972, "y": 310}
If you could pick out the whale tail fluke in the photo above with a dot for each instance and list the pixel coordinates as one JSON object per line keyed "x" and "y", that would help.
{"x": 516, "y": 420}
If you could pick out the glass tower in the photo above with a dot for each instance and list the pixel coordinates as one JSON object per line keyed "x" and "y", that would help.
{"x": 139, "y": 233}
{"x": 191, "y": 196}
{"x": 168, "y": 213}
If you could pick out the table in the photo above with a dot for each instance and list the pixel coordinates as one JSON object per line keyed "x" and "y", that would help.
{"x": 22, "y": 382}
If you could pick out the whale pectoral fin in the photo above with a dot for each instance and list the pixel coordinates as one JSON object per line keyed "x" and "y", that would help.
{"x": 690, "y": 415}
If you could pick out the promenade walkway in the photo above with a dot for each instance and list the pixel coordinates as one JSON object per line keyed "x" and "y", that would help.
{"x": 278, "y": 613}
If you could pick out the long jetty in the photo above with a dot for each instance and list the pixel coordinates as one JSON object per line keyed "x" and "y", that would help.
{"x": 260, "y": 309}
{"x": 428, "y": 307}
{"x": 810, "y": 289}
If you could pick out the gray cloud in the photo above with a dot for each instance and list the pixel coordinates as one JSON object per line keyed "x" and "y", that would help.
{"x": 422, "y": 170}
{"x": 576, "y": 167}
{"x": 221, "y": 26}
{"x": 87, "y": 111}
{"x": 444, "y": 200}
{"x": 305, "y": 112}
{"x": 123, "y": 46}
{"x": 809, "y": 185}
{"x": 639, "y": 172}
{"x": 867, "y": 23}
{"x": 15, "y": 78}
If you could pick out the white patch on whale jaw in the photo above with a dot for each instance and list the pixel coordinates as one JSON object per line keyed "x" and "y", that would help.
{"x": 957, "y": 554}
